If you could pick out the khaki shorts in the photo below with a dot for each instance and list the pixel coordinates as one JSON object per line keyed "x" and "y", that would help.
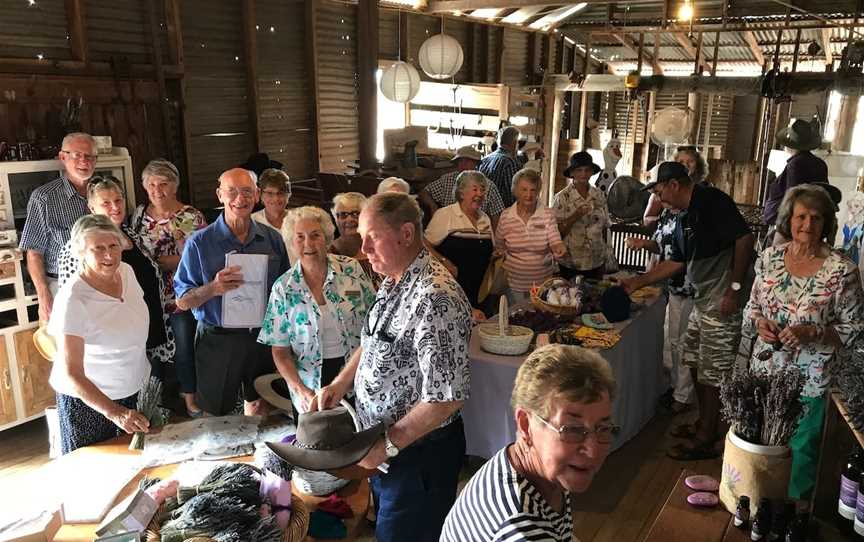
{"x": 711, "y": 344}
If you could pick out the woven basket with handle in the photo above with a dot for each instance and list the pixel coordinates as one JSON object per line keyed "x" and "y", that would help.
{"x": 538, "y": 302}
{"x": 502, "y": 338}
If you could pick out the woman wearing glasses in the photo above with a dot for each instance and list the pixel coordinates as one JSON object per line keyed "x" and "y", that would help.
{"x": 275, "y": 188}
{"x": 316, "y": 309}
{"x": 562, "y": 399}
{"x": 346, "y": 211}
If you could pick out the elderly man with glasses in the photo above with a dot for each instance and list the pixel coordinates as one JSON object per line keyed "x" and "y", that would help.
{"x": 51, "y": 211}
{"x": 226, "y": 358}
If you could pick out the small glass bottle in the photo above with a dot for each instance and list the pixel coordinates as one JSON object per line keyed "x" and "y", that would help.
{"x": 849, "y": 479}
{"x": 742, "y": 512}
{"x": 762, "y": 521}
{"x": 797, "y": 531}
{"x": 782, "y": 521}
{"x": 859, "y": 509}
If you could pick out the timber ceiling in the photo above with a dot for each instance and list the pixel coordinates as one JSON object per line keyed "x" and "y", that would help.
{"x": 747, "y": 33}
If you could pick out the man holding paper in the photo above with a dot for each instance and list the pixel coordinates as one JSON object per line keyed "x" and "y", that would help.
{"x": 228, "y": 301}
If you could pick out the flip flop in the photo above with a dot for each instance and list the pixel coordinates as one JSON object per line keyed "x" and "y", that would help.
{"x": 697, "y": 452}
{"x": 195, "y": 414}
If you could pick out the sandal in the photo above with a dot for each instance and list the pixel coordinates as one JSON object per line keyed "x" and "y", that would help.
{"x": 695, "y": 452}
{"x": 684, "y": 431}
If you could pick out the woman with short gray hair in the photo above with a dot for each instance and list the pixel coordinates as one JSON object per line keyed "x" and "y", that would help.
{"x": 462, "y": 233}
{"x": 807, "y": 308}
{"x": 163, "y": 226}
{"x": 346, "y": 212}
{"x": 100, "y": 323}
{"x": 562, "y": 402}
{"x": 394, "y": 184}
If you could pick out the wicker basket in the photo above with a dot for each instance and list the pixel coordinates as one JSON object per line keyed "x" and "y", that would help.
{"x": 298, "y": 525}
{"x": 538, "y": 302}
{"x": 502, "y": 338}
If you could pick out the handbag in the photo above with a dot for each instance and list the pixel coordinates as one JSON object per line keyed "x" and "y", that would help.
{"x": 494, "y": 280}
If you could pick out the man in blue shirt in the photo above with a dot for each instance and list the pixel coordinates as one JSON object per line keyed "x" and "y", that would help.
{"x": 227, "y": 359}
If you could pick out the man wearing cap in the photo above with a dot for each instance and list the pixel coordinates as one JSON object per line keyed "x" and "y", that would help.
{"x": 799, "y": 138}
{"x": 583, "y": 218}
{"x": 51, "y": 211}
{"x": 227, "y": 359}
{"x": 500, "y": 166}
{"x": 440, "y": 192}
{"x": 715, "y": 243}
{"x": 411, "y": 372}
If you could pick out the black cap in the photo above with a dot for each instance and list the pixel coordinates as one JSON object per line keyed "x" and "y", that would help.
{"x": 580, "y": 159}
{"x": 668, "y": 171}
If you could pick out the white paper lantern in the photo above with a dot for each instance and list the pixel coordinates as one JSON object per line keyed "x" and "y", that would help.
{"x": 440, "y": 56}
{"x": 400, "y": 82}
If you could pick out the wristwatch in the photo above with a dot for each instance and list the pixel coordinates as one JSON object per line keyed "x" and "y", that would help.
{"x": 389, "y": 448}
{"x": 736, "y": 286}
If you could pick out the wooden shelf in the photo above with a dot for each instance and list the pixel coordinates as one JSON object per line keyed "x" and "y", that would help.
{"x": 841, "y": 407}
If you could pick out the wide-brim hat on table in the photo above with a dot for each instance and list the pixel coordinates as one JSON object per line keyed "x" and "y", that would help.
{"x": 800, "y": 135}
{"x": 467, "y": 152}
{"x": 328, "y": 440}
{"x": 273, "y": 389}
{"x": 581, "y": 159}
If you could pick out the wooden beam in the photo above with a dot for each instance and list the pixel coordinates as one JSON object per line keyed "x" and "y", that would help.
{"x": 367, "y": 65}
{"x": 404, "y": 35}
{"x": 640, "y": 50}
{"x": 684, "y": 40}
{"x": 701, "y": 27}
{"x": 824, "y": 37}
{"x": 160, "y": 79}
{"x": 697, "y": 63}
{"x": 716, "y": 51}
{"x": 754, "y": 47}
{"x": 173, "y": 27}
{"x": 484, "y": 54}
{"x": 499, "y": 47}
{"x": 795, "y": 54}
{"x": 311, "y": 20}
{"x": 77, "y": 29}
{"x": 17, "y": 66}
{"x": 628, "y": 43}
{"x": 667, "y": 8}
{"x": 436, "y": 6}
{"x": 533, "y": 61}
{"x": 250, "y": 53}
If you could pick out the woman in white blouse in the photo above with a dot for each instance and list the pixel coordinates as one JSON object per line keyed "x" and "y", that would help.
{"x": 100, "y": 322}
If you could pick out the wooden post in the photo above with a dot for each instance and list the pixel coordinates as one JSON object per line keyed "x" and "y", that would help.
{"x": 404, "y": 35}
{"x": 716, "y": 51}
{"x": 646, "y": 145}
{"x": 694, "y": 104}
{"x": 532, "y": 59}
{"x": 250, "y": 51}
{"x": 470, "y": 52}
{"x": 639, "y": 52}
{"x": 845, "y": 123}
{"x": 367, "y": 65}
{"x": 697, "y": 64}
{"x": 795, "y": 54}
{"x": 484, "y": 54}
{"x": 311, "y": 17}
{"x": 77, "y": 30}
{"x": 499, "y": 41}
{"x": 160, "y": 80}
{"x": 175, "y": 34}
{"x": 559, "y": 58}
{"x": 551, "y": 136}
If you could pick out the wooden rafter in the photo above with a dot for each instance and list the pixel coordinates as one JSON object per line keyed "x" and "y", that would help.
{"x": 825, "y": 42}
{"x": 633, "y": 47}
{"x": 754, "y": 47}
{"x": 462, "y": 5}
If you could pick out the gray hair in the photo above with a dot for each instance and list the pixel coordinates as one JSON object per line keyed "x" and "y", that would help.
{"x": 813, "y": 197}
{"x": 101, "y": 183}
{"x": 392, "y": 182}
{"x": 525, "y": 174}
{"x": 508, "y": 135}
{"x": 161, "y": 168}
{"x": 88, "y": 225}
{"x": 397, "y": 209}
{"x": 307, "y": 212}
{"x": 274, "y": 178}
{"x": 469, "y": 176}
{"x": 701, "y": 172}
{"x": 79, "y": 135}
{"x": 348, "y": 199}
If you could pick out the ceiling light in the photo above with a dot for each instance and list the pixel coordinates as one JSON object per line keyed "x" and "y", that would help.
{"x": 685, "y": 12}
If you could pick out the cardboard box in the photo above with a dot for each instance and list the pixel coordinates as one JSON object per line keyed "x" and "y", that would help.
{"x": 38, "y": 529}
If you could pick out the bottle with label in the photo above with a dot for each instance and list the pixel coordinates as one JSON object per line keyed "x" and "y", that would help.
{"x": 849, "y": 486}
{"x": 859, "y": 510}
{"x": 762, "y": 521}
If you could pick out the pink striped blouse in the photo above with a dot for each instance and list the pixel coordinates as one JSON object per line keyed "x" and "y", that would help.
{"x": 529, "y": 259}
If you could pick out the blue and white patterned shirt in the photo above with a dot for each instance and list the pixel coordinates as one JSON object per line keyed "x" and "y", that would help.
{"x": 499, "y": 167}
{"x": 52, "y": 210}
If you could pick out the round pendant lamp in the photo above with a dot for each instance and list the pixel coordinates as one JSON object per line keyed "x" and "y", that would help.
{"x": 440, "y": 56}
{"x": 400, "y": 82}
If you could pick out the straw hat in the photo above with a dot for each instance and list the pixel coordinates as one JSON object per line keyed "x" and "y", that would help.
{"x": 44, "y": 343}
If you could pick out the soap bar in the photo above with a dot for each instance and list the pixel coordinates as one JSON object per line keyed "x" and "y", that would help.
{"x": 703, "y": 499}
{"x": 700, "y": 482}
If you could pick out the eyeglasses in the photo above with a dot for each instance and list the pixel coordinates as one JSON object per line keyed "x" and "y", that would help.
{"x": 77, "y": 156}
{"x": 380, "y": 333}
{"x": 342, "y": 215}
{"x": 577, "y": 434}
{"x": 232, "y": 193}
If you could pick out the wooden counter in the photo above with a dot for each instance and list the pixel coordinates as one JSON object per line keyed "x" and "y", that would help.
{"x": 356, "y": 493}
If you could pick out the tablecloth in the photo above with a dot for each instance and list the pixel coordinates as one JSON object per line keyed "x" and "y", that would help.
{"x": 637, "y": 361}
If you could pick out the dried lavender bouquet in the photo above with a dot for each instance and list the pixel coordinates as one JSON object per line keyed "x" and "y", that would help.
{"x": 763, "y": 408}
{"x": 850, "y": 383}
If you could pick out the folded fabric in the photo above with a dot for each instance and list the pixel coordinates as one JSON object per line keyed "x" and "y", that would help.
{"x": 337, "y": 506}
{"x": 596, "y": 338}
{"x": 325, "y": 525}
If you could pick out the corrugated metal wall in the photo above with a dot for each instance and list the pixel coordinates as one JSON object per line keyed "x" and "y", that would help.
{"x": 217, "y": 111}
{"x": 516, "y": 67}
{"x": 388, "y": 34}
{"x": 336, "y": 44}
{"x": 28, "y": 31}
{"x": 122, "y": 28}
{"x": 285, "y": 114}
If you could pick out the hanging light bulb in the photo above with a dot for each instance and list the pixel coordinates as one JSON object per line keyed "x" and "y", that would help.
{"x": 685, "y": 12}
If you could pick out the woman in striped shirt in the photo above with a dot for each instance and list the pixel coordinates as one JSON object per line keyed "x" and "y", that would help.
{"x": 529, "y": 238}
{"x": 563, "y": 437}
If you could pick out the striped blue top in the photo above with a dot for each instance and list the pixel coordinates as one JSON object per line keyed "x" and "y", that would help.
{"x": 498, "y": 504}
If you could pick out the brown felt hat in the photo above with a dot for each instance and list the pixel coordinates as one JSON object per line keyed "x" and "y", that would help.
{"x": 800, "y": 135}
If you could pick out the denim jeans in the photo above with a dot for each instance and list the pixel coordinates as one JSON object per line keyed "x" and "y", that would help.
{"x": 416, "y": 494}
{"x": 183, "y": 324}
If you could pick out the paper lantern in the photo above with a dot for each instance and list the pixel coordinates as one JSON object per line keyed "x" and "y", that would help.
{"x": 400, "y": 82}
{"x": 440, "y": 56}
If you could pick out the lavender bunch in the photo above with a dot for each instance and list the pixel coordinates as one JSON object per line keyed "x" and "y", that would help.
{"x": 782, "y": 406}
{"x": 210, "y": 515}
{"x": 236, "y": 480}
{"x": 763, "y": 408}
{"x": 741, "y": 406}
{"x": 850, "y": 382}
{"x": 148, "y": 405}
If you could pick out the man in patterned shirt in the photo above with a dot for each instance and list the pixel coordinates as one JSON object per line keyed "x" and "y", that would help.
{"x": 440, "y": 192}
{"x": 501, "y": 165}
{"x": 410, "y": 372}
{"x": 51, "y": 211}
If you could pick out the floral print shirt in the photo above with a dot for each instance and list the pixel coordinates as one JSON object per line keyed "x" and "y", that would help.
{"x": 586, "y": 240}
{"x": 831, "y": 297}
{"x": 415, "y": 345}
{"x": 292, "y": 317}
{"x": 165, "y": 237}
